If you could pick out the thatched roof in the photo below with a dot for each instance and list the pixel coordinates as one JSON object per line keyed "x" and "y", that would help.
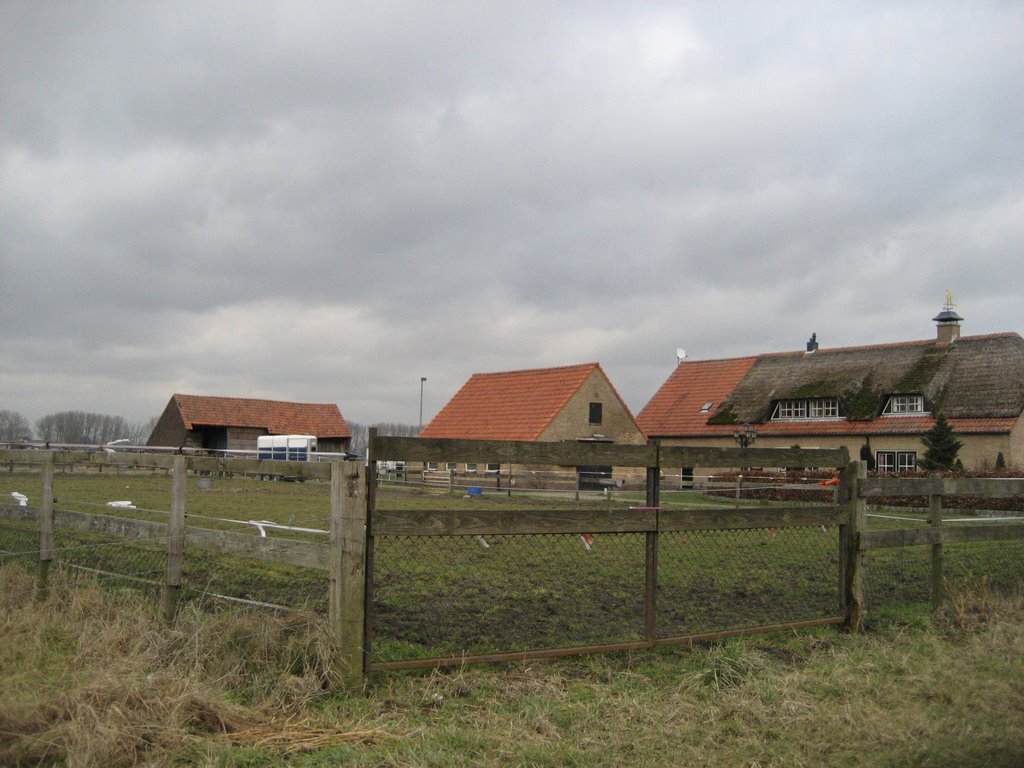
{"x": 975, "y": 377}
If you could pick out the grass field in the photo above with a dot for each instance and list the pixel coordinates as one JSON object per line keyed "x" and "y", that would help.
{"x": 92, "y": 677}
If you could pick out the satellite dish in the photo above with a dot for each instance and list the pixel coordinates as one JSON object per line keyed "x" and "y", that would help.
{"x": 680, "y": 354}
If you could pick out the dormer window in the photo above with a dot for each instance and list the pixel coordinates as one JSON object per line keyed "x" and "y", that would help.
{"x": 707, "y": 406}
{"x": 899, "y": 405}
{"x": 807, "y": 408}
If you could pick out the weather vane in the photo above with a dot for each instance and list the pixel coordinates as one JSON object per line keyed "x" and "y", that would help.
{"x": 949, "y": 301}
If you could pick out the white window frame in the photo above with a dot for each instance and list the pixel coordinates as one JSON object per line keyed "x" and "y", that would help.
{"x": 906, "y": 461}
{"x": 791, "y": 409}
{"x": 814, "y": 408}
{"x": 896, "y": 461}
{"x": 431, "y": 466}
{"x": 823, "y": 408}
{"x": 470, "y": 469}
{"x": 493, "y": 468}
{"x": 451, "y": 466}
{"x": 885, "y": 461}
{"x": 904, "y": 405}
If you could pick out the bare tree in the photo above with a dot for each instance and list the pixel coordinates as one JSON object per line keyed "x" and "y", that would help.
{"x": 360, "y": 433}
{"x": 139, "y": 431}
{"x": 14, "y": 427}
{"x": 81, "y": 428}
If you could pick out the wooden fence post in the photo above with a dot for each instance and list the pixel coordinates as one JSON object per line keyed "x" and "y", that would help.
{"x": 852, "y": 557}
{"x": 347, "y": 576}
{"x": 651, "y": 555}
{"x": 175, "y": 540}
{"x": 46, "y": 545}
{"x": 935, "y": 520}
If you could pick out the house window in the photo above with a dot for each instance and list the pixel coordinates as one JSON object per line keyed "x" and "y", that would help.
{"x": 595, "y": 413}
{"x": 896, "y": 461}
{"x": 431, "y": 466}
{"x": 823, "y": 409}
{"x": 451, "y": 466}
{"x": 494, "y": 468}
{"x": 471, "y": 469}
{"x": 791, "y": 409}
{"x": 812, "y": 408}
{"x": 899, "y": 404}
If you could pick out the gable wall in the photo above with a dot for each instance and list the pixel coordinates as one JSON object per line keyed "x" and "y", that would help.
{"x": 169, "y": 429}
{"x": 573, "y": 421}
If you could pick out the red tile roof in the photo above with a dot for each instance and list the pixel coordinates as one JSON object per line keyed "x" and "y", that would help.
{"x": 676, "y": 408}
{"x": 510, "y": 405}
{"x": 275, "y": 416}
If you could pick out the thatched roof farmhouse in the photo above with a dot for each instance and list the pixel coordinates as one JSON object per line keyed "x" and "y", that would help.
{"x": 874, "y": 399}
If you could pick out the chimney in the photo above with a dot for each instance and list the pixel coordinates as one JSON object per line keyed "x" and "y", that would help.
{"x": 812, "y": 343}
{"x": 948, "y": 322}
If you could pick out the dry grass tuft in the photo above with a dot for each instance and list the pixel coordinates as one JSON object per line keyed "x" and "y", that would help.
{"x": 94, "y": 678}
{"x": 294, "y": 738}
{"x": 969, "y": 605}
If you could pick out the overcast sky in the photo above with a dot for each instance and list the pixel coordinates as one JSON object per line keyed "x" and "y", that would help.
{"x": 325, "y": 201}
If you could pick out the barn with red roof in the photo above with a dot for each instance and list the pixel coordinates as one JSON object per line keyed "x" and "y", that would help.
{"x": 235, "y": 423}
{"x": 567, "y": 403}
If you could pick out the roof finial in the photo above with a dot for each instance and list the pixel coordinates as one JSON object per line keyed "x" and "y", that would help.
{"x": 948, "y": 321}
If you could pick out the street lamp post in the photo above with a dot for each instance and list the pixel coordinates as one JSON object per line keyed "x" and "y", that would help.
{"x": 422, "y": 380}
{"x": 744, "y": 437}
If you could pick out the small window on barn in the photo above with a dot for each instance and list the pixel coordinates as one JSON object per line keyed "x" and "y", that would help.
{"x": 493, "y": 468}
{"x": 471, "y": 469}
{"x": 451, "y": 466}
{"x": 595, "y": 413}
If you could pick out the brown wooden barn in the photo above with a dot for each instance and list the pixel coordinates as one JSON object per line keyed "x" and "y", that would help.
{"x": 235, "y": 423}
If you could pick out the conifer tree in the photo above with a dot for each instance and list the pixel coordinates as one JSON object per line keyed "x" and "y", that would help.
{"x": 941, "y": 445}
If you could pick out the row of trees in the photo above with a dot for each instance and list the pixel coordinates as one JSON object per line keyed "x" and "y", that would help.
{"x": 77, "y": 427}
{"x": 360, "y": 433}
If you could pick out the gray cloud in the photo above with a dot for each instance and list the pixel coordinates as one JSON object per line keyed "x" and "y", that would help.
{"x": 327, "y": 201}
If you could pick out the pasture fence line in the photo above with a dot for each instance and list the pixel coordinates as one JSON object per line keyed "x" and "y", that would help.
{"x": 475, "y": 581}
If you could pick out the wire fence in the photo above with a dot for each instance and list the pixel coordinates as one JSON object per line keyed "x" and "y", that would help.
{"x": 443, "y": 595}
{"x": 436, "y": 596}
{"x": 713, "y": 581}
{"x": 896, "y": 577}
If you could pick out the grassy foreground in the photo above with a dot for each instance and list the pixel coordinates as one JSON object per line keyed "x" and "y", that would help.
{"x": 90, "y": 678}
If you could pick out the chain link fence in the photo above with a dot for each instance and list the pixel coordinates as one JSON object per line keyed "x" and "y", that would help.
{"x": 714, "y": 581}
{"x": 445, "y": 595}
{"x": 441, "y": 596}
